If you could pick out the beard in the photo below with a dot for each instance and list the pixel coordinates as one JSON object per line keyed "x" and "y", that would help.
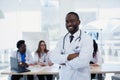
{"x": 71, "y": 29}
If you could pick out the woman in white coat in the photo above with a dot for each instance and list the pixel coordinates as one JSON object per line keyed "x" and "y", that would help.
{"x": 41, "y": 57}
{"x": 97, "y": 59}
{"x": 73, "y": 51}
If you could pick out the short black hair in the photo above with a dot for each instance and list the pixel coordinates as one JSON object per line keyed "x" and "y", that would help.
{"x": 74, "y": 14}
{"x": 19, "y": 43}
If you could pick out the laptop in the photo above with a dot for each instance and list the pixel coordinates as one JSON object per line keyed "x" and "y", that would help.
{"x": 15, "y": 67}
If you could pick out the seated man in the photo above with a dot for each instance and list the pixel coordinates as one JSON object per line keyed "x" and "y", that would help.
{"x": 24, "y": 58}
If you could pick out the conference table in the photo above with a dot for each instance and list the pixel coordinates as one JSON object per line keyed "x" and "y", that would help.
{"x": 35, "y": 70}
{"x": 54, "y": 70}
{"x": 106, "y": 68}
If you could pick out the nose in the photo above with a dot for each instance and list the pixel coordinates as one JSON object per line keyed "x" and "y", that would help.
{"x": 69, "y": 24}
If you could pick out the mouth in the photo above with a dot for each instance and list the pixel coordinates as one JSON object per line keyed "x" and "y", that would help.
{"x": 70, "y": 28}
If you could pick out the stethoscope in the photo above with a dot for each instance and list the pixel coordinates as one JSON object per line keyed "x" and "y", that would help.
{"x": 77, "y": 39}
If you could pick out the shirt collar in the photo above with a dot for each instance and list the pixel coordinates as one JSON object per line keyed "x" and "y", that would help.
{"x": 76, "y": 34}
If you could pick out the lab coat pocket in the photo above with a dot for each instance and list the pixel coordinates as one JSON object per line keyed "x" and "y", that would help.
{"x": 66, "y": 73}
{"x": 77, "y": 47}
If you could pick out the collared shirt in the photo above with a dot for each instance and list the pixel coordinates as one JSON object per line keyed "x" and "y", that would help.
{"x": 23, "y": 55}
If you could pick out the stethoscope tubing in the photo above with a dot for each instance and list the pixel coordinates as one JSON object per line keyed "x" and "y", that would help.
{"x": 75, "y": 39}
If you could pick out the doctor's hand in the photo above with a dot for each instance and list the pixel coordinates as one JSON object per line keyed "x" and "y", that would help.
{"x": 72, "y": 56}
{"x": 23, "y": 64}
{"x": 42, "y": 64}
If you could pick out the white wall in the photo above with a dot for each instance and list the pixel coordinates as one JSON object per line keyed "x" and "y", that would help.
{"x": 25, "y": 15}
{"x": 18, "y": 16}
{"x": 32, "y": 39}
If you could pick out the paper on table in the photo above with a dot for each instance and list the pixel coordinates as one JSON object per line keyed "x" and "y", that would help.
{"x": 35, "y": 68}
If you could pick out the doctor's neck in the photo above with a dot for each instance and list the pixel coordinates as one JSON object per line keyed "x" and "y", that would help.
{"x": 73, "y": 32}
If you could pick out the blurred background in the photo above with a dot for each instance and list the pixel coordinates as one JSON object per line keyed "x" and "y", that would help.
{"x": 45, "y": 19}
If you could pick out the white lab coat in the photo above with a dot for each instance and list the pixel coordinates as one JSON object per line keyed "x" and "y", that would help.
{"x": 29, "y": 58}
{"x": 97, "y": 59}
{"x": 77, "y": 68}
{"x": 44, "y": 58}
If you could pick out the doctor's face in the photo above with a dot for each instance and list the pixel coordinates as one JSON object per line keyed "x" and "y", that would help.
{"x": 42, "y": 46}
{"x": 72, "y": 23}
{"x": 22, "y": 48}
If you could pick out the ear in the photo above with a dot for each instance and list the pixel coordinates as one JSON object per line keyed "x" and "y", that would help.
{"x": 79, "y": 22}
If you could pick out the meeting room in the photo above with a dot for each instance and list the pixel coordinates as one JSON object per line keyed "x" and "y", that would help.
{"x": 60, "y": 40}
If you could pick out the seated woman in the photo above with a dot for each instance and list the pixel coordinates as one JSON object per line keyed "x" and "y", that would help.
{"x": 41, "y": 57}
{"x": 96, "y": 59}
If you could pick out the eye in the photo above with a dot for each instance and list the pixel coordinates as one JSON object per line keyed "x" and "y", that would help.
{"x": 42, "y": 45}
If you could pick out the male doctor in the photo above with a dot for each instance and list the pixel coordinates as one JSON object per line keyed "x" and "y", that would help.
{"x": 24, "y": 58}
{"x": 73, "y": 51}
